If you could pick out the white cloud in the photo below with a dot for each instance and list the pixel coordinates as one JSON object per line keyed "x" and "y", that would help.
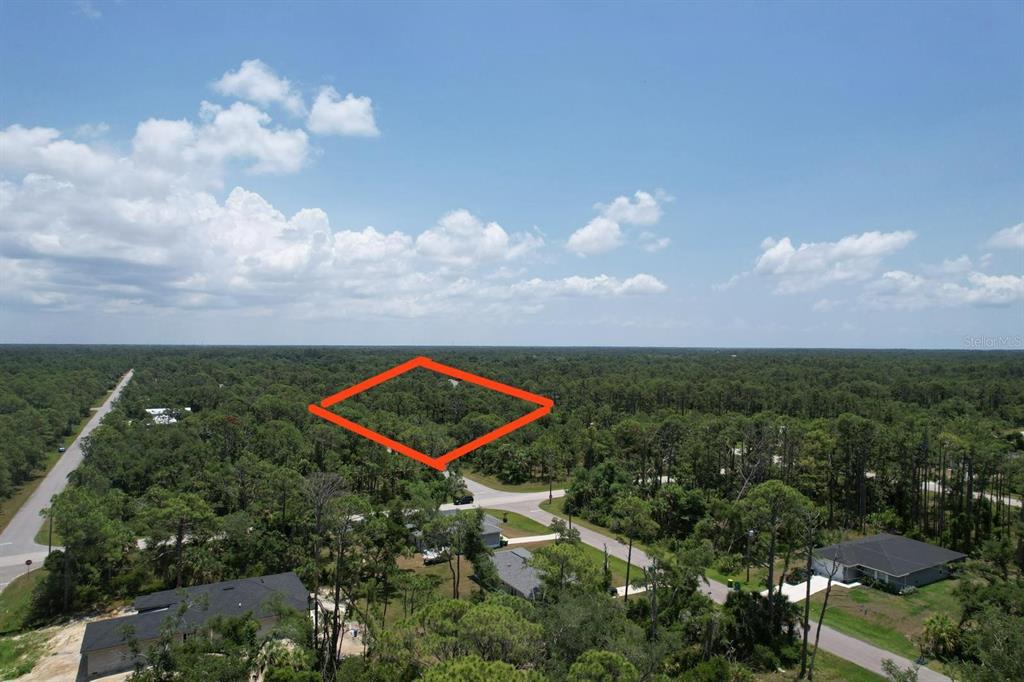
{"x": 332, "y": 115}
{"x": 899, "y": 289}
{"x": 643, "y": 209}
{"x": 813, "y": 265}
{"x": 256, "y": 82}
{"x": 604, "y": 233}
{"x": 239, "y": 132}
{"x": 601, "y": 285}
{"x": 1008, "y": 238}
{"x": 462, "y": 239}
{"x": 43, "y": 150}
{"x": 149, "y": 232}
{"x": 597, "y": 236}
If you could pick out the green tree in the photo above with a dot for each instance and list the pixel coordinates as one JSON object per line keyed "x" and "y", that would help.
{"x": 631, "y": 516}
{"x": 602, "y": 666}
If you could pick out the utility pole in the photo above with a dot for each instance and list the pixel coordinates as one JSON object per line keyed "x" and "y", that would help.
{"x": 750, "y": 536}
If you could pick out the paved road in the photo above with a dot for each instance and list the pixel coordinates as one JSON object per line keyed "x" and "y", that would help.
{"x": 863, "y": 654}
{"x": 17, "y": 542}
{"x": 936, "y": 487}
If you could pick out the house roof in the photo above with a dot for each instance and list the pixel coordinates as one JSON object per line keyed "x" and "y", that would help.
{"x": 891, "y": 554}
{"x": 514, "y": 570}
{"x": 229, "y": 598}
{"x": 487, "y": 526}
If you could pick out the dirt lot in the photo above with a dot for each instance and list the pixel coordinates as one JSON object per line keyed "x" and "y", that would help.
{"x": 61, "y": 660}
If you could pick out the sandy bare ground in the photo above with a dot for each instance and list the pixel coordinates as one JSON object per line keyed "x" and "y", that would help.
{"x": 62, "y": 658}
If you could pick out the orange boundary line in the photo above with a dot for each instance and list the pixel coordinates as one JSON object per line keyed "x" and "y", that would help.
{"x": 439, "y": 463}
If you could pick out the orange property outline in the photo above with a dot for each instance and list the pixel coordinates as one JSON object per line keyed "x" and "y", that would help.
{"x": 439, "y": 463}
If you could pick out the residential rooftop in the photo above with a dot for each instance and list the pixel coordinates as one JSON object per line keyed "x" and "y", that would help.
{"x": 258, "y": 596}
{"x": 892, "y": 554}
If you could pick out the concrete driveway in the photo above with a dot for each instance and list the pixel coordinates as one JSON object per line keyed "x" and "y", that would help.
{"x": 863, "y": 654}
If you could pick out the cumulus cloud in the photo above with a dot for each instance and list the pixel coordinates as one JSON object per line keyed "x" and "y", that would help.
{"x": 597, "y": 236}
{"x": 1008, "y": 238}
{"x": 604, "y": 233}
{"x": 150, "y": 231}
{"x": 812, "y": 265}
{"x": 901, "y": 290}
{"x": 642, "y": 209}
{"x": 601, "y": 285}
{"x": 332, "y": 115}
{"x": 460, "y": 238}
{"x": 256, "y": 82}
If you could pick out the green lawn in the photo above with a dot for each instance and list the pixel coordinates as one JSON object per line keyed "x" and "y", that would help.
{"x": 16, "y": 599}
{"x": 827, "y": 668}
{"x": 617, "y": 565}
{"x": 557, "y": 507}
{"x": 531, "y": 487}
{"x": 888, "y": 621}
{"x": 20, "y": 653}
{"x": 518, "y": 526}
{"x": 43, "y": 536}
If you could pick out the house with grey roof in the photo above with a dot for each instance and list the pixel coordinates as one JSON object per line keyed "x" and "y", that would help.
{"x": 107, "y": 644}
{"x": 891, "y": 559}
{"x": 490, "y": 530}
{"x": 515, "y": 572}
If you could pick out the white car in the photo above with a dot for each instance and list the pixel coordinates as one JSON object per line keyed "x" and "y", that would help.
{"x": 435, "y": 556}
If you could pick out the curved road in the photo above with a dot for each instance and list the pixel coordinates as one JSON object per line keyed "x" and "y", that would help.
{"x": 857, "y": 651}
{"x": 17, "y": 542}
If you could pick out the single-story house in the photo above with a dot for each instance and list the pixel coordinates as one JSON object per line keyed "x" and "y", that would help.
{"x": 164, "y": 415}
{"x": 515, "y": 572}
{"x": 892, "y": 559}
{"x": 490, "y": 531}
{"x": 106, "y": 644}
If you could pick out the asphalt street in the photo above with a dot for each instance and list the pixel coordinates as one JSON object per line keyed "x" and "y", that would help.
{"x": 17, "y": 542}
{"x": 863, "y": 654}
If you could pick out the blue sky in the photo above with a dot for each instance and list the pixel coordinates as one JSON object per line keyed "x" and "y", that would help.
{"x": 835, "y": 174}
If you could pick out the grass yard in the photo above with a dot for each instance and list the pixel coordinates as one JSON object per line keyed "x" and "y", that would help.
{"x": 20, "y": 653}
{"x": 531, "y": 487}
{"x": 518, "y": 526}
{"x": 16, "y": 599}
{"x": 557, "y": 507}
{"x": 887, "y": 620}
{"x": 442, "y": 579}
{"x": 615, "y": 564}
{"x": 827, "y": 668}
{"x": 43, "y": 536}
{"x": 758, "y": 575}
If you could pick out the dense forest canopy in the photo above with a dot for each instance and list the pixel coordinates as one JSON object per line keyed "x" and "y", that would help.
{"x": 44, "y": 394}
{"x": 682, "y": 450}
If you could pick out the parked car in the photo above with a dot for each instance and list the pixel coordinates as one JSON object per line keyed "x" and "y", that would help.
{"x": 60, "y": 449}
{"x": 465, "y": 498}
